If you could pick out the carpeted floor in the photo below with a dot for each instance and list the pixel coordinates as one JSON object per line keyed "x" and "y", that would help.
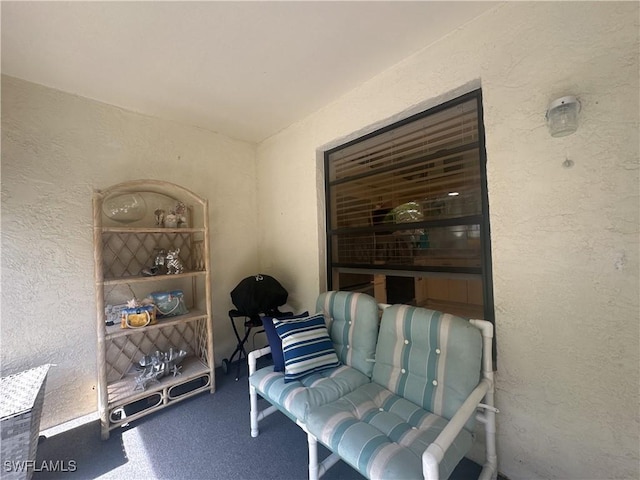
{"x": 205, "y": 437}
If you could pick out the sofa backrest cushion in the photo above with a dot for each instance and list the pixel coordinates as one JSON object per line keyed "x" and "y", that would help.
{"x": 352, "y": 319}
{"x": 430, "y": 358}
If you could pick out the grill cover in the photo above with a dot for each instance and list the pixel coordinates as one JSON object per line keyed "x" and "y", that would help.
{"x": 259, "y": 294}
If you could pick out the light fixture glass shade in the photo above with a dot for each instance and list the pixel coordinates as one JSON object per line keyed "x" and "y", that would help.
{"x": 562, "y": 116}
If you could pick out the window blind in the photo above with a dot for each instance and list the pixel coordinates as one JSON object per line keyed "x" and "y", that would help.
{"x": 433, "y": 162}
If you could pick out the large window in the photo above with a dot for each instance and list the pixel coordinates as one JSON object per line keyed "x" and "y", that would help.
{"x": 408, "y": 215}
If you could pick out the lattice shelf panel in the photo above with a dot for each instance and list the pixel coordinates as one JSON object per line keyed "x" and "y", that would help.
{"x": 126, "y": 254}
{"x": 123, "y": 353}
{"x": 201, "y": 342}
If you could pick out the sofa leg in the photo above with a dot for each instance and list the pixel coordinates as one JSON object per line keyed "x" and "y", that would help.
{"x": 313, "y": 457}
{"x": 253, "y": 396}
{"x": 327, "y": 463}
{"x": 490, "y": 468}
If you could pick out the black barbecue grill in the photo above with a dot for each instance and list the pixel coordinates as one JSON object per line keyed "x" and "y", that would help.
{"x": 254, "y": 297}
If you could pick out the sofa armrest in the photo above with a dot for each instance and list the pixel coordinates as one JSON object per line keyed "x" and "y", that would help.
{"x": 254, "y": 355}
{"x": 433, "y": 455}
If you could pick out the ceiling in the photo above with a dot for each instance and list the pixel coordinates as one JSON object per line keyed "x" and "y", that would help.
{"x": 243, "y": 69}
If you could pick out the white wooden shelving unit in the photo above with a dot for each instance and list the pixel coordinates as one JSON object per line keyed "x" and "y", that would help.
{"x": 121, "y": 252}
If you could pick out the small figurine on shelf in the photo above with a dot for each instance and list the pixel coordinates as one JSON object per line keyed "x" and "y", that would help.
{"x": 173, "y": 263}
{"x": 171, "y": 220}
{"x": 158, "y": 266}
{"x": 145, "y": 378}
{"x": 158, "y": 365}
{"x": 181, "y": 214}
{"x": 133, "y": 303}
{"x": 176, "y": 218}
{"x": 159, "y": 213}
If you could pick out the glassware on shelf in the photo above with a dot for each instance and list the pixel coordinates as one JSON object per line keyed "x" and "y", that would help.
{"x": 125, "y": 208}
{"x": 158, "y": 365}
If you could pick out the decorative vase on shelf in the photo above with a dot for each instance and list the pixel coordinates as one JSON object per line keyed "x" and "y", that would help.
{"x": 171, "y": 221}
{"x": 125, "y": 208}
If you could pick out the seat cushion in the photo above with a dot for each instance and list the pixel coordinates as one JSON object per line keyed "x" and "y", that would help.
{"x": 383, "y": 435}
{"x": 295, "y": 398}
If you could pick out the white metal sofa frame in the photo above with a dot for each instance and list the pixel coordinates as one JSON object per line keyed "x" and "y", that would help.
{"x": 479, "y": 402}
{"x": 354, "y": 330}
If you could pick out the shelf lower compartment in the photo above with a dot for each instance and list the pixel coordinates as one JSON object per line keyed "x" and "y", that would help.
{"x": 125, "y": 406}
{"x": 124, "y": 390}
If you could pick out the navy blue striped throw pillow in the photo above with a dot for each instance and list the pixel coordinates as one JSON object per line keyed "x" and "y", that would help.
{"x": 274, "y": 340}
{"x": 306, "y": 346}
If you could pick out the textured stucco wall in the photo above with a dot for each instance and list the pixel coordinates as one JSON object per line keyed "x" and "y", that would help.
{"x": 56, "y": 149}
{"x": 564, "y": 240}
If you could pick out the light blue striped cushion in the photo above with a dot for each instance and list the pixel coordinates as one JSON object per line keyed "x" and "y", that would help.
{"x": 306, "y": 346}
{"x": 295, "y": 398}
{"x": 383, "y": 435}
{"x": 430, "y": 358}
{"x": 353, "y": 326}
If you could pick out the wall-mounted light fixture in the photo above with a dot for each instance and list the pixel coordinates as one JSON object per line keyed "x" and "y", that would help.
{"x": 562, "y": 116}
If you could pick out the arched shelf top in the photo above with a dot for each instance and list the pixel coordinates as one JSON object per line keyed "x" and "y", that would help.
{"x": 152, "y": 186}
